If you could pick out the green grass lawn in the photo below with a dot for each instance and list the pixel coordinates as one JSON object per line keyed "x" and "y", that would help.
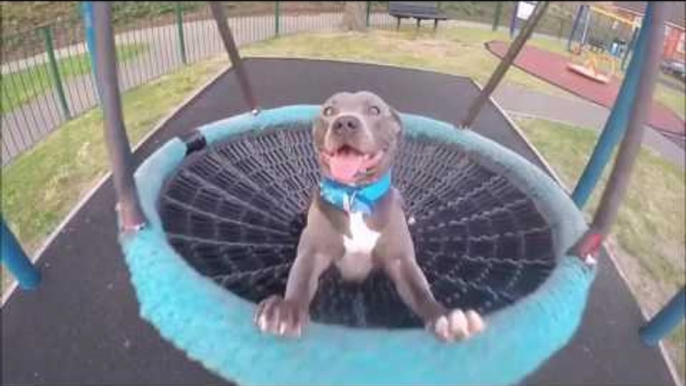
{"x": 672, "y": 99}
{"x": 671, "y": 79}
{"x": 649, "y": 237}
{"x": 43, "y": 184}
{"x": 21, "y": 86}
{"x": 457, "y": 51}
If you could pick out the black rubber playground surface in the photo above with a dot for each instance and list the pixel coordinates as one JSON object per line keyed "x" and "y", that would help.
{"x": 82, "y": 325}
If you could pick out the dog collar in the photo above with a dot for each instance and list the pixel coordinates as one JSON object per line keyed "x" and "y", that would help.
{"x": 354, "y": 199}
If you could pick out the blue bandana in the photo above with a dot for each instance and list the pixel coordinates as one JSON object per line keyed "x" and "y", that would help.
{"x": 354, "y": 199}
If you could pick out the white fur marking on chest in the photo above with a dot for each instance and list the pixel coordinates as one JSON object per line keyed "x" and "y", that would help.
{"x": 357, "y": 260}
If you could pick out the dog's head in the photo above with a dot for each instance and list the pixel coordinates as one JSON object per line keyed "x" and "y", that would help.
{"x": 356, "y": 136}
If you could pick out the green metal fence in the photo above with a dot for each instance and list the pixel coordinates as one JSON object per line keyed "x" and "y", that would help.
{"x": 46, "y": 71}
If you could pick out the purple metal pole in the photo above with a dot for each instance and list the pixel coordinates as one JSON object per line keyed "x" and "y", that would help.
{"x": 505, "y": 64}
{"x": 232, "y": 51}
{"x": 121, "y": 159}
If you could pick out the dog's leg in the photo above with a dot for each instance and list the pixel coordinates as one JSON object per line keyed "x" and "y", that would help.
{"x": 411, "y": 284}
{"x": 286, "y": 316}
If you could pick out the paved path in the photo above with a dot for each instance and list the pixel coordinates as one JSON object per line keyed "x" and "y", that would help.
{"x": 552, "y": 68}
{"x": 578, "y": 112}
{"x": 26, "y": 125}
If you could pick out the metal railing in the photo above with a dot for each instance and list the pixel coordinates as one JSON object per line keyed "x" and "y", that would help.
{"x": 46, "y": 71}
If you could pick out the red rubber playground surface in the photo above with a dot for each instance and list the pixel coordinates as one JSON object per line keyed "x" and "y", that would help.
{"x": 552, "y": 68}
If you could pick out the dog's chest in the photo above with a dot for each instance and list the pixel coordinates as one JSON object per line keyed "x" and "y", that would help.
{"x": 356, "y": 262}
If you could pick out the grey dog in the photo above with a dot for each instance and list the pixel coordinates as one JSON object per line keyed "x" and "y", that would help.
{"x": 357, "y": 223}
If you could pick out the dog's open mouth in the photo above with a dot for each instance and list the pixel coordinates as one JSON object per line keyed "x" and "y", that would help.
{"x": 347, "y": 163}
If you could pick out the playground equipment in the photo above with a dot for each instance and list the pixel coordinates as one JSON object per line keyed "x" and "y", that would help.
{"x": 597, "y": 42}
{"x": 601, "y": 29}
{"x": 666, "y": 320}
{"x": 452, "y": 176}
{"x": 593, "y": 64}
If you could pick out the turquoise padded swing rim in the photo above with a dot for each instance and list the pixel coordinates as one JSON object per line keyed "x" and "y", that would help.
{"x": 214, "y": 326}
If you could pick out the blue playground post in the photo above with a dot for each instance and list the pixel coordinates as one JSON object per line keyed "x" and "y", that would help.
{"x": 587, "y": 23}
{"x": 16, "y": 261}
{"x": 617, "y": 122}
{"x": 665, "y": 321}
{"x": 575, "y": 24}
{"x": 629, "y": 49}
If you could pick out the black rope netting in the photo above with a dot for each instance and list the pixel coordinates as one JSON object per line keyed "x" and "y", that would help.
{"x": 235, "y": 211}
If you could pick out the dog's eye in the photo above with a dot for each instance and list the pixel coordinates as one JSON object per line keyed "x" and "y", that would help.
{"x": 328, "y": 111}
{"x": 374, "y": 110}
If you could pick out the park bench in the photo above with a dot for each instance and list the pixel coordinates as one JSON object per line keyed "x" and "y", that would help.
{"x": 420, "y": 10}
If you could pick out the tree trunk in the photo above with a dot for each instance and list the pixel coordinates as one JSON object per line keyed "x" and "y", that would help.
{"x": 354, "y": 18}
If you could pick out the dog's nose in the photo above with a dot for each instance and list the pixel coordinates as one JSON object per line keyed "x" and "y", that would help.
{"x": 346, "y": 123}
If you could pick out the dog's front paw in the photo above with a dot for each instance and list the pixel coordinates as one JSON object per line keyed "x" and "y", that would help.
{"x": 281, "y": 317}
{"x": 456, "y": 325}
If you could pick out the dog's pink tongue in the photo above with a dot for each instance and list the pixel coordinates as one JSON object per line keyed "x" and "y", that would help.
{"x": 345, "y": 165}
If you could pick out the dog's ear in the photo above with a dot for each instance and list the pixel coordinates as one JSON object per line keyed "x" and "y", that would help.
{"x": 398, "y": 124}
{"x": 318, "y": 123}
{"x": 319, "y": 131}
{"x": 396, "y": 117}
